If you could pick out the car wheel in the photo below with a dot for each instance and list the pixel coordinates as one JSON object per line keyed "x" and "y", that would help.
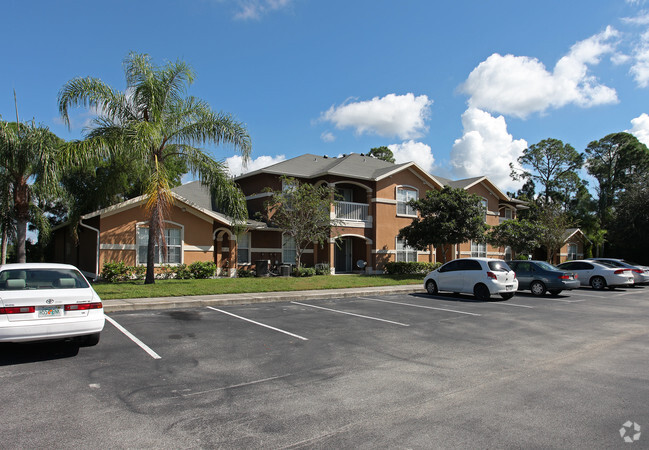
{"x": 507, "y": 295}
{"x": 537, "y": 288}
{"x": 481, "y": 292}
{"x": 598, "y": 283}
{"x": 90, "y": 340}
{"x": 554, "y": 293}
{"x": 431, "y": 287}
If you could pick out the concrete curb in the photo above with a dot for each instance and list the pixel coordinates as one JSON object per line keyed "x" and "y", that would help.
{"x": 196, "y": 301}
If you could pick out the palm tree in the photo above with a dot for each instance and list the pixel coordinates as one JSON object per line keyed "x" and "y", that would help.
{"x": 27, "y": 166}
{"x": 151, "y": 122}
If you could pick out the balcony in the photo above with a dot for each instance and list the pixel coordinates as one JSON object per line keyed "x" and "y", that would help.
{"x": 357, "y": 212}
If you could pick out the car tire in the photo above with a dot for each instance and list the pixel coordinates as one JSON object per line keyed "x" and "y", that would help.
{"x": 90, "y": 340}
{"x": 598, "y": 283}
{"x": 507, "y": 295}
{"x": 431, "y": 287}
{"x": 481, "y": 292}
{"x": 555, "y": 293}
{"x": 537, "y": 288}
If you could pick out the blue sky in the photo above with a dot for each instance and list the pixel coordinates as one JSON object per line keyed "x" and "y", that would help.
{"x": 459, "y": 87}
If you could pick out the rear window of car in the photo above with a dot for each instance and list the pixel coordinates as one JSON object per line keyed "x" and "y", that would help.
{"x": 545, "y": 266}
{"x": 18, "y": 279}
{"x": 499, "y": 266}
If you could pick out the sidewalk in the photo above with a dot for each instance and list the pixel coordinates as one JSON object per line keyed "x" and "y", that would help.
{"x": 135, "y": 304}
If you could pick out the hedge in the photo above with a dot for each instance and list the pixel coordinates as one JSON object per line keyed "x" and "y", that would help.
{"x": 410, "y": 268}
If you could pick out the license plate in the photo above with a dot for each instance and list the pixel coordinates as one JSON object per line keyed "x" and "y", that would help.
{"x": 49, "y": 311}
{"x": 509, "y": 287}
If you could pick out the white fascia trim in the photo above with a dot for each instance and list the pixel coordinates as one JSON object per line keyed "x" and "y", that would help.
{"x": 198, "y": 248}
{"x": 261, "y": 195}
{"x": 118, "y": 247}
{"x": 389, "y": 201}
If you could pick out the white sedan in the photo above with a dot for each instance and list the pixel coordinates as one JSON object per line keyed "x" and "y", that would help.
{"x": 599, "y": 275}
{"x": 48, "y": 301}
{"x": 482, "y": 277}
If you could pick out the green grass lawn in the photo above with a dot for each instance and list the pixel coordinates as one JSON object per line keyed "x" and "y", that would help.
{"x": 175, "y": 288}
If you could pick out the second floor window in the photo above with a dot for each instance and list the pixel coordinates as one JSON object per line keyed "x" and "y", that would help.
{"x": 403, "y": 197}
{"x": 288, "y": 249}
{"x": 572, "y": 251}
{"x": 485, "y": 207}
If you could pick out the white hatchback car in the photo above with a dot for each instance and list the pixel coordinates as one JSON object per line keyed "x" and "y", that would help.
{"x": 599, "y": 275}
{"x": 48, "y": 301}
{"x": 482, "y": 277}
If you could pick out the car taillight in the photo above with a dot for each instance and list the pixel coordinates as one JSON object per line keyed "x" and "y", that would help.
{"x": 83, "y": 306}
{"x": 17, "y": 309}
{"x": 620, "y": 271}
{"x": 564, "y": 277}
{"x": 492, "y": 275}
{"x": 637, "y": 271}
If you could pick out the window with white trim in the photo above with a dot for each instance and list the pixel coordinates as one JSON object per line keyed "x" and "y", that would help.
{"x": 478, "y": 250}
{"x": 288, "y": 249}
{"x": 173, "y": 246}
{"x": 572, "y": 251}
{"x": 405, "y": 253}
{"x": 485, "y": 206}
{"x": 404, "y": 195}
{"x": 243, "y": 248}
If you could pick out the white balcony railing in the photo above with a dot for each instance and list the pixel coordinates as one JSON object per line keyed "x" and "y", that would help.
{"x": 352, "y": 211}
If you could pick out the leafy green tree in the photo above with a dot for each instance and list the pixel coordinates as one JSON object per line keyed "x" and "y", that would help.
{"x": 521, "y": 235}
{"x": 553, "y": 222}
{"x": 29, "y": 168}
{"x": 447, "y": 217}
{"x": 152, "y": 123}
{"x": 615, "y": 161}
{"x": 628, "y": 237}
{"x": 553, "y": 165}
{"x": 302, "y": 211}
{"x": 383, "y": 153}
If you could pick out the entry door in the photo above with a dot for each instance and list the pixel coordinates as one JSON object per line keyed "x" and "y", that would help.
{"x": 343, "y": 255}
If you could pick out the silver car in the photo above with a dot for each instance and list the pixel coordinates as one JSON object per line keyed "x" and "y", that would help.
{"x": 599, "y": 275}
{"x": 640, "y": 273}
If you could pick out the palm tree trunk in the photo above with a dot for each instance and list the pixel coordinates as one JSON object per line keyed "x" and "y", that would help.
{"x": 5, "y": 235}
{"x": 21, "y": 202}
{"x": 150, "y": 250}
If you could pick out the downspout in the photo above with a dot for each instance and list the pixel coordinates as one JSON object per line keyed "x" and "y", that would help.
{"x": 97, "y": 248}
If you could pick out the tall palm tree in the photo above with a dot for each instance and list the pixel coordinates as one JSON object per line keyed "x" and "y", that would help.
{"x": 150, "y": 122}
{"x": 27, "y": 165}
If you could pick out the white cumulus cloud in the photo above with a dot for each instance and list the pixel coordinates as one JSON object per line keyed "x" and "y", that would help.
{"x": 255, "y": 9}
{"x": 403, "y": 116}
{"x": 520, "y": 85}
{"x": 641, "y": 128}
{"x": 236, "y": 168}
{"x": 328, "y": 136}
{"x": 486, "y": 148}
{"x": 417, "y": 152}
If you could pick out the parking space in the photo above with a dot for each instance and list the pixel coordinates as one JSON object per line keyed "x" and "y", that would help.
{"x": 393, "y": 370}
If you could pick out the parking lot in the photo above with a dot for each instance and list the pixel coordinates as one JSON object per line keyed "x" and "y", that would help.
{"x": 406, "y": 371}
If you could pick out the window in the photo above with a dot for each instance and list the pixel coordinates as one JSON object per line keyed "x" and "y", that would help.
{"x": 478, "y": 250}
{"x": 485, "y": 206}
{"x": 508, "y": 213}
{"x": 288, "y": 249}
{"x": 174, "y": 246}
{"x": 243, "y": 248}
{"x": 404, "y": 252}
{"x": 572, "y": 251}
{"x": 403, "y": 197}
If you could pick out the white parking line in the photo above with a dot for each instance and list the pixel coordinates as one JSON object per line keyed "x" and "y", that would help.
{"x": 420, "y": 306}
{"x": 562, "y": 301}
{"x": 510, "y": 304}
{"x": 142, "y": 345}
{"x": 258, "y": 323}
{"x": 352, "y": 314}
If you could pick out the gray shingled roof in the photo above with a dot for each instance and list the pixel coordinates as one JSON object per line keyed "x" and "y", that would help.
{"x": 311, "y": 166}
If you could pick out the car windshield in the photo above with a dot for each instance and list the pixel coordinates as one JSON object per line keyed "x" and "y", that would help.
{"x": 17, "y": 279}
{"x": 545, "y": 266}
{"x": 499, "y": 266}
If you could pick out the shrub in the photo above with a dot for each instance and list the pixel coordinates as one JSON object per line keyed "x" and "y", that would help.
{"x": 115, "y": 271}
{"x": 183, "y": 272}
{"x": 322, "y": 269}
{"x": 410, "y": 268}
{"x": 244, "y": 273}
{"x": 202, "y": 269}
{"x": 303, "y": 272}
{"x": 136, "y": 272}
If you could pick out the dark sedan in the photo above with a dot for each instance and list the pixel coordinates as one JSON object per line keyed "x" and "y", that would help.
{"x": 539, "y": 277}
